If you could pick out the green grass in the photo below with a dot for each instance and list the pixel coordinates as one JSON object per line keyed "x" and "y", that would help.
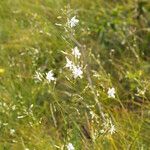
{"x": 48, "y": 116}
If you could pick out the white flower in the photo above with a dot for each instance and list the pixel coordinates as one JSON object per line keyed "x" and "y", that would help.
{"x": 107, "y": 126}
{"x": 112, "y": 129}
{"x": 12, "y": 131}
{"x": 69, "y": 63}
{"x": 38, "y": 76}
{"x": 111, "y": 92}
{"x": 50, "y": 76}
{"x": 76, "y": 52}
{"x": 77, "y": 72}
{"x": 140, "y": 92}
{"x": 70, "y": 146}
{"x": 73, "y": 22}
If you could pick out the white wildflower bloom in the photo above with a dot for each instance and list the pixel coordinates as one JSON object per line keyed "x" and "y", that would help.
{"x": 38, "y": 76}
{"x": 12, "y": 131}
{"x": 111, "y": 92}
{"x": 50, "y": 76}
{"x": 76, "y": 52}
{"x": 108, "y": 126}
{"x": 73, "y": 22}
{"x": 77, "y": 72}
{"x": 70, "y": 146}
{"x": 69, "y": 63}
{"x": 112, "y": 129}
{"x": 140, "y": 91}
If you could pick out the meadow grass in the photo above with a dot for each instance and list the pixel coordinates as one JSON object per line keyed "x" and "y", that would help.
{"x": 113, "y": 37}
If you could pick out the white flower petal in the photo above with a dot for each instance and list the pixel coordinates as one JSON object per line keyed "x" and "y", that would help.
{"x": 70, "y": 146}
{"x": 111, "y": 92}
{"x": 69, "y": 63}
{"x": 73, "y": 22}
{"x": 38, "y": 76}
{"x": 76, "y": 52}
{"x": 77, "y": 72}
{"x": 50, "y": 76}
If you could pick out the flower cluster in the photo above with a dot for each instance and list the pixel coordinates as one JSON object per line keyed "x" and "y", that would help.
{"x": 108, "y": 126}
{"x": 75, "y": 69}
{"x": 38, "y": 76}
{"x": 49, "y": 76}
{"x": 140, "y": 92}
